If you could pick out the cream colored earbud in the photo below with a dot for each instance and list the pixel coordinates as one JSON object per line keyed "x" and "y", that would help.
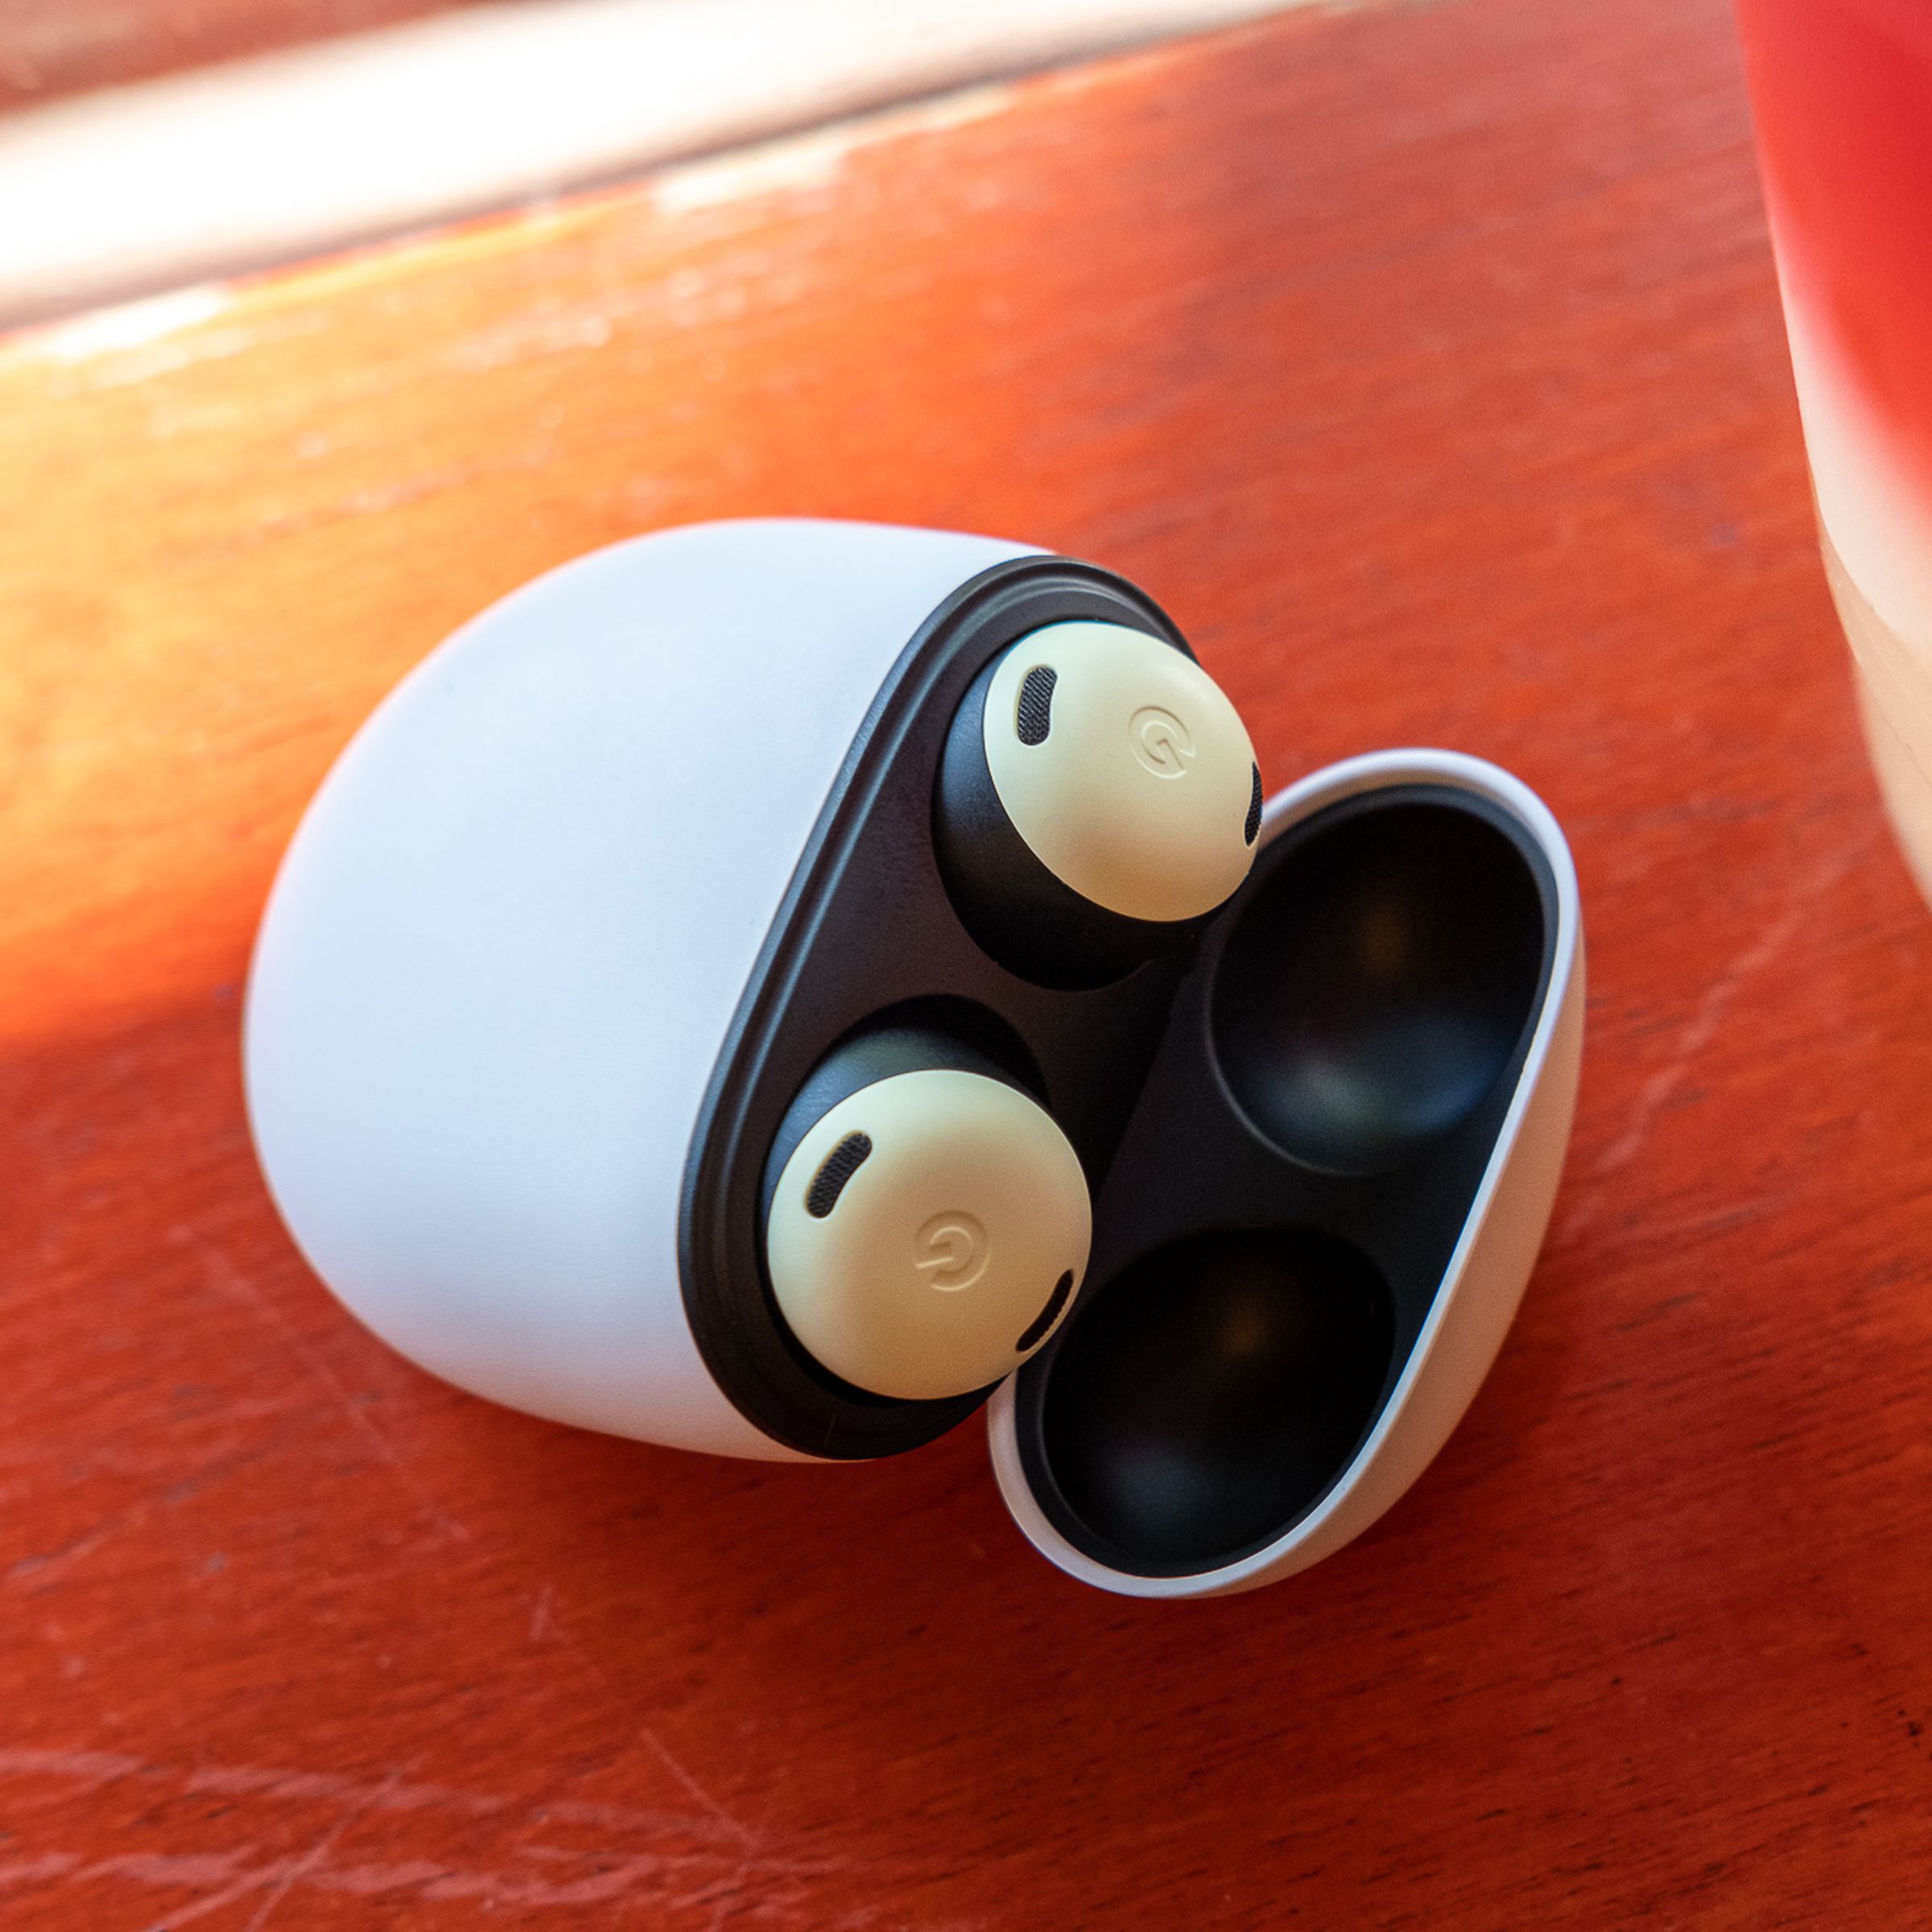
{"x": 1124, "y": 768}
{"x": 1098, "y": 793}
{"x": 927, "y": 1233}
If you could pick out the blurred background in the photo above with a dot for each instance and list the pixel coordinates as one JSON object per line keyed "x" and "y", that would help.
{"x": 148, "y": 143}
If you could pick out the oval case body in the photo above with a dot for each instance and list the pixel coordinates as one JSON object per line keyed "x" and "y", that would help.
{"x": 515, "y": 926}
{"x": 578, "y": 911}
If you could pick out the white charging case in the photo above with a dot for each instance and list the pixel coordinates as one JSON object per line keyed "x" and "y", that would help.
{"x": 573, "y": 914}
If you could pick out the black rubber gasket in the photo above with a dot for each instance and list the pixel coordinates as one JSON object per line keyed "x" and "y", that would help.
{"x": 867, "y": 930}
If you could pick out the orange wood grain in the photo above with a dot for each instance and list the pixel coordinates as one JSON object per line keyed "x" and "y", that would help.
{"x": 1426, "y": 363}
{"x": 62, "y": 46}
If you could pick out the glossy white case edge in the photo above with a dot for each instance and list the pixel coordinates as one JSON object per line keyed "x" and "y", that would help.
{"x": 1493, "y": 1260}
{"x": 506, "y": 944}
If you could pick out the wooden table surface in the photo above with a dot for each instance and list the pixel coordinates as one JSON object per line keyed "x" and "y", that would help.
{"x": 49, "y": 47}
{"x": 1425, "y": 361}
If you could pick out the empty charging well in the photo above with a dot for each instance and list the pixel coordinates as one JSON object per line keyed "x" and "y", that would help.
{"x": 1301, "y": 1164}
{"x": 1378, "y": 984}
{"x": 1165, "y": 1429}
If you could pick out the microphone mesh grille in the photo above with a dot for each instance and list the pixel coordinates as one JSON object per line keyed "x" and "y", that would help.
{"x": 835, "y": 1171}
{"x": 1034, "y": 718}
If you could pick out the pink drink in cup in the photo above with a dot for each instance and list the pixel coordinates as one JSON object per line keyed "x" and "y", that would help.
{"x": 1842, "y": 91}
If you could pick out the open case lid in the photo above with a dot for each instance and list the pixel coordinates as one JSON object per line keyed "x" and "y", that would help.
{"x": 1331, "y": 1194}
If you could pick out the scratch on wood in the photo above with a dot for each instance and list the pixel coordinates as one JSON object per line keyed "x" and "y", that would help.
{"x": 291, "y": 1870}
{"x": 223, "y": 1274}
{"x": 737, "y": 1829}
{"x": 280, "y": 1783}
{"x": 670, "y": 1879}
{"x": 92, "y": 1767}
{"x": 1701, "y": 1028}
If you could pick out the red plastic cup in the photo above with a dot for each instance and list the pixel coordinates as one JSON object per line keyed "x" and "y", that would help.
{"x": 1842, "y": 90}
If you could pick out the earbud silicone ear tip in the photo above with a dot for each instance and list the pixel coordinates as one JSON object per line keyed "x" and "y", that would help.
{"x": 1124, "y": 767}
{"x": 1099, "y": 795}
{"x": 927, "y": 1234}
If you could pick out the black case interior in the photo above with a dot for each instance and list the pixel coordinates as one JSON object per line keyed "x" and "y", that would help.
{"x": 1284, "y": 1118}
